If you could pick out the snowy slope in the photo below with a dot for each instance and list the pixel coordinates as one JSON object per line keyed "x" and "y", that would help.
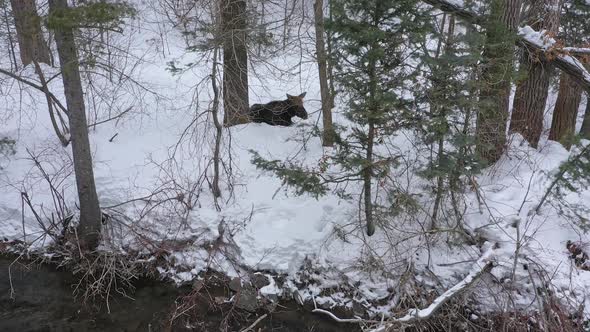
{"x": 160, "y": 152}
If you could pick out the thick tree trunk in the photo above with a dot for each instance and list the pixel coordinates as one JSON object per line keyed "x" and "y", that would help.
{"x": 235, "y": 62}
{"x": 565, "y": 114}
{"x": 496, "y": 77}
{"x": 328, "y": 133}
{"x": 585, "y": 131}
{"x": 90, "y": 215}
{"x": 31, "y": 43}
{"x": 531, "y": 94}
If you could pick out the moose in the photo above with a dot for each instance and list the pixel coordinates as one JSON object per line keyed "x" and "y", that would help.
{"x": 279, "y": 112}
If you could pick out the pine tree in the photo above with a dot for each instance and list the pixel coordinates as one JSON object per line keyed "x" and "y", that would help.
{"x": 235, "y": 62}
{"x": 451, "y": 95}
{"x": 33, "y": 46}
{"x": 496, "y": 78}
{"x": 575, "y": 31}
{"x": 371, "y": 39}
{"x": 531, "y": 93}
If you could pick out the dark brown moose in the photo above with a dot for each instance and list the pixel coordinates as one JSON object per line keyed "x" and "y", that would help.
{"x": 279, "y": 112}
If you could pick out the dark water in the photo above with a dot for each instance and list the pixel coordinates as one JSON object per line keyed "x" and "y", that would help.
{"x": 43, "y": 301}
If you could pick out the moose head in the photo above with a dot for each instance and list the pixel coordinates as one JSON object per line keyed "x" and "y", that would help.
{"x": 297, "y": 101}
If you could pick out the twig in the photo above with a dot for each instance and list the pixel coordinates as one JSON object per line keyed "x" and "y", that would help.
{"x": 251, "y": 327}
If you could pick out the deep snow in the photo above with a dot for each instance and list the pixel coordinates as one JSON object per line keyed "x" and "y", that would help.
{"x": 267, "y": 226}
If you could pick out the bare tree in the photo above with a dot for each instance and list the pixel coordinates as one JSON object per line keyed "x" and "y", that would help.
{"x": 496, "y": 79}
{"x": 28, "y": 28}
{"x": 90, "y": 214}
{"x": 235, "y": 62}
{"x": 328, "y": 133}
{"x": 531, "y": 93}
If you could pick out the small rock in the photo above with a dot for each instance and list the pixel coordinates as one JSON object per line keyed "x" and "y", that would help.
{"x": 247, "y": 299}
{"x": 235, "y": 284}
{"x": 259, "y": 280}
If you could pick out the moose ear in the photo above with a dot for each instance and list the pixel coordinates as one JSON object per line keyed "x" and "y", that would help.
{"x": 302, "y": 95}
{"x": 289, "y": 96}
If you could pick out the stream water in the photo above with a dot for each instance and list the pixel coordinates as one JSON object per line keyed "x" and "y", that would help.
{"x": 39, "y": 298}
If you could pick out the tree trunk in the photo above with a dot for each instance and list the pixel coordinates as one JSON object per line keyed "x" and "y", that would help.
{"x": 235, "y": 62}
{"x": 496, "y": 77}
{"x": 565, "y": 114}
{"x": 28, "y": 30}
{"x": 328, "y": 133}
{"x": 585, "y": 131}
{"x": 531, "y": 94}
{"x": 90, "y": 215}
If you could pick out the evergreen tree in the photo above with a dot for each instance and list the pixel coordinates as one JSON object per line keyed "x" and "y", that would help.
{"x": 451, "y": 98}
{"x": 575, "y": 31}
{"x": 496, "y": 77}
{"x": 373, "y": 41}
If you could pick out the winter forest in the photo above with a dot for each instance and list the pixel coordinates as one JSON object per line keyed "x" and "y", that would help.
{"x": 294, "y": 165}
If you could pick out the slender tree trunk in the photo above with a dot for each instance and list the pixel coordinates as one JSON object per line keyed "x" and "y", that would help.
{"x": 565, "y": 114}
{"x": 531, "y": 94}
{"x": 218, "y": 130}
{"x": 328, "y": 134}
{"x": 11, "y": 44}
{"x": 330, "y": 64}
{"x": 90, "y": 215}
{"x": 496, "y": 78}
{"x": 28, "y": 30}
{"x": 235, "y": 62}
{"x": 585, "y": 131}
{"x": 442, "y": 114}
{"x": 367, "y": 172}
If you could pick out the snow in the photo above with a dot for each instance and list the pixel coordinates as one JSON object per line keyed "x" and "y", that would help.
{"x": 267, "y": 227}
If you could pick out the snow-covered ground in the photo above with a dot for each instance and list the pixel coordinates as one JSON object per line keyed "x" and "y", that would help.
{"x": 161, "y": 154}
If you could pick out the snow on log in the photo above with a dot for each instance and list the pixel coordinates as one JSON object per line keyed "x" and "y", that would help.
{"x": 535, "y": 41}
{"x": 539, "y": 43}
{"x": 483, "y": 264}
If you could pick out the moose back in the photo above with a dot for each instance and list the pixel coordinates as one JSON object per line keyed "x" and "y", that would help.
{"x": 279, "y": 112}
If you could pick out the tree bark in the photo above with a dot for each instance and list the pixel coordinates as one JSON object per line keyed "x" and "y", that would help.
{"x": 31, "y": 43}
{"x": 531, "y": 94}
{"x": 328, "y": 133}
{"x": 585, "y": 131}
{"x": 496, "y": 77}
{"x": 235, "y": 62}
{"x": 90, "y": 214}
{"x": 565, "y": 114}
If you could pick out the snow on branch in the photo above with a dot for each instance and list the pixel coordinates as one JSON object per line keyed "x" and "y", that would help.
{"x": 535, "y": 41}
{"x": 484, "y": 264}
{"x": 456, "y": 7}
{"x": 547, "y": 48}
{"x": 577, "y": 50}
